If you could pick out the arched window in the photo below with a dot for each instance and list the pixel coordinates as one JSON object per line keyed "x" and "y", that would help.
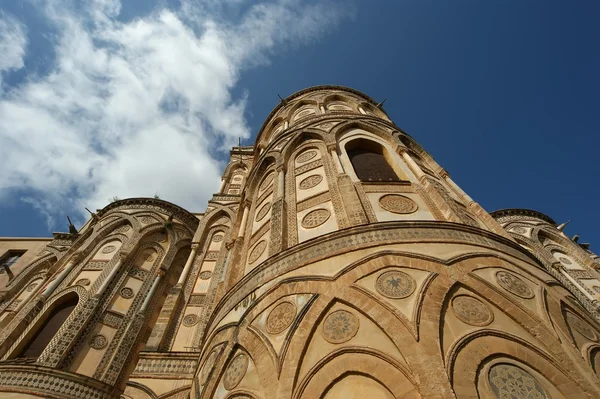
{"x": 48, "y": 329}
{"x": 369, "y": 162}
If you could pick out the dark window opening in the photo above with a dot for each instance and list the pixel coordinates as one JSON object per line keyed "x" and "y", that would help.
{"x": 370, "y": 164}
{"x": 8, "y": 260}
{"x": 49, "y": 328}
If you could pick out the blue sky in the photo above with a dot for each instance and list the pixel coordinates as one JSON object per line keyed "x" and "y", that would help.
{"x": 503, "y": 94}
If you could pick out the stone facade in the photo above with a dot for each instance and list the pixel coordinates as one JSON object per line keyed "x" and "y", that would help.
{"x": 337, "y": 260}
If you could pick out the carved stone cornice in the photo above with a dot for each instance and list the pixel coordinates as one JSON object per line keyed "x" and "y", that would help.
{"x": 503, "y": 213}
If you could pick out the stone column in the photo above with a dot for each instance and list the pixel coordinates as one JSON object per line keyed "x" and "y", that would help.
{"x": 188, "y": 265}
{"x": 56, "y": 282}
{"x": 122, "y": 255}
{"x": 278, "y": 213}
{"x": 414, "y": 167}
{"x": 242, "y": 230}
{"x": 222, "y": 186}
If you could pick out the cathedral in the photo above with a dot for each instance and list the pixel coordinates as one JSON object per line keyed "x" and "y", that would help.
{"x": 336, "y": 260}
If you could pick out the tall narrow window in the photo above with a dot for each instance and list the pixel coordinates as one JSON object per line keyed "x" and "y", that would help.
{"x": 369, "y": 162}
{"x": 48, "y": 329}
{"x": 8, "y": 260}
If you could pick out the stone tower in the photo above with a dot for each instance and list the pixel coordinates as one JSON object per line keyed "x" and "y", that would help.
{"x": 337, "y": 260}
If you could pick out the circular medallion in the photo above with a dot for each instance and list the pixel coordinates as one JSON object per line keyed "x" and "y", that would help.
{"x": 84, "y": 282}
{"x": 205, "y": 275}
{"x": 32, "y": 286}
{"x": 147, "y": 220}
{"x": 472, "y": 311}
{"x": 340, "y": 326}
{"x": 257, "y": 251}
{"x": 310, "y": 182}
{"x": 395, "y": 284}
{"x": 315, "y": 218}
{"x": 519, "y": 230}
{"x": 235, "y": 372}
{"x": 596, "y": 289}
{"x": 514, "y": 284}
{"x": 263, "y": 211}
{"x": 397, "y": 204}
{"x": 190, "y": 320}
{"x": 217, "y": 238}
{"x": 581, "y": 327}
{"x": 98, "y": 341}
{"x": 267, "y": 182}
{"x": 126, "y": 293}
{"x": 306, "y": 156}
{"x": 564, "y": 260}
{"x": 508, "y": 381}
{"x": 281, "y": 317}
{"x": 108, "y": 249}
{"x": 208, "y": 365}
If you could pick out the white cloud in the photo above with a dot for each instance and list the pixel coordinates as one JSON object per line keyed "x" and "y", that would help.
{"x": 130, "y": 109}
{"x": 13, "y": 42}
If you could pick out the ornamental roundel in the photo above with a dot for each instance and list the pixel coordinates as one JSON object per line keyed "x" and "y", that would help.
{"x": 514, "y": 285}
{"x": 508, "y": 381}
{"x": 98, "y": 341}
{"x": 257, "y": 251}
{"x": 217, "y": 238}
{"x": 190, "y": 320}
{"x": 84, "y": 282}
{"x": 340, "y": 326}
{"x": 310, "y": 182}
{"x": 126, "y": 293}
{"x": 398, "y": 204}
{"x": 564, "y": 260}
{"x": 519, "y": 230}
{"x": 315, "y": 218}
{"x": 472, "y": 311}
{"x": 266, "y": 182}
{"x": 235, "y": 372}
{"x": 281, "y": 317}
{"x": 395, "y": 284}
{"x": 205, "y": 275}
{"x": 306, "y": 156}
{"x": 31, "y": 287}
{"x": 581, "y": 327}
{"x": 208, "y": 365}
{"x": 263, "y": 211}
{"x": 108, "y": 249}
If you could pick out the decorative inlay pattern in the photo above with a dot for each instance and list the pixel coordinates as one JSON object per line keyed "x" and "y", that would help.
{"x": 147, "y": 220}
{"x": 108, "y": 249}
{"x": 398, "y": 204}
{"x": 257, "y": 251}
{"x": 208, "y": 365}
{"x": 235, "y": 372}
{"x": 32, "y": 286}
{"x": 306, "y": 156}
{"x": 122, "y": 229}
{"x": 281, "y": 317}
{"x": 84, "y": 282}
{"x": 190, "y": 320}
{"x": 217, "y": 238}
{"x": 310, "y": 182}
{"x": 395, "y": 284}
{"x": 263, "y": 211}
{"x": 205, "y": 275}
{"x": 519, "y": 230}
{"x": 98, "y": 341}
{"x": 581, "y": 327}
{"x": 564, "y": 260}
{"x": 315, "y": 218}
{"x": 511, "y": 382}
{"x": 514, "y": 285}
{"x": 340, "y": 326}
{"x": 126, "y": 293}
{"x": 472, "y": 311}
{"x": 267, "y": 182}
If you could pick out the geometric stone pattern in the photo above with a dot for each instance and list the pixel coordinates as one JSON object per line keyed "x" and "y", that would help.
{"x": 514, "y": 284}
{"x": 281, "y": 317}
{"x": 340, "y": 326}
{"x": 395, "y": 284}
{"x": 510, "y": 382}
{"x": 235, "y": 372}
{"x": 398, "y": 204}
{"x": 472, "y": 311}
